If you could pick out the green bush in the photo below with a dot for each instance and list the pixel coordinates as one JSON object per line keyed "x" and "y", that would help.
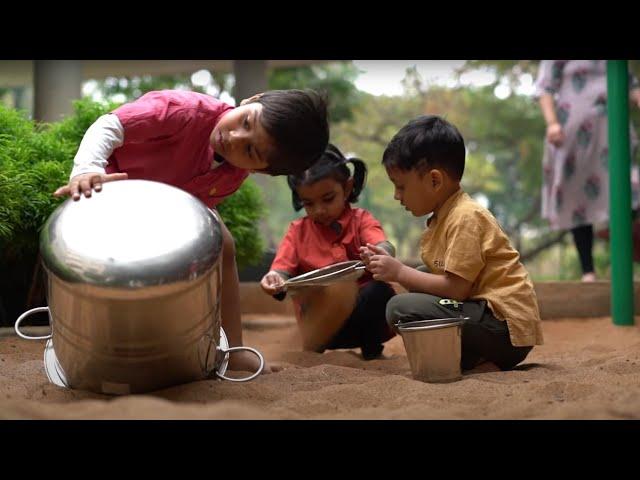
{"x": 37, "y": 159}
{"x": 241, "y": 213}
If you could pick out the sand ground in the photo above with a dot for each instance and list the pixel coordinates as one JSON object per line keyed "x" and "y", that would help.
{"x": 587, "y": 369}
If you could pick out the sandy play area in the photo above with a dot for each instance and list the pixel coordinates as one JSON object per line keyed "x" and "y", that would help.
{"x": 588, "y": 369}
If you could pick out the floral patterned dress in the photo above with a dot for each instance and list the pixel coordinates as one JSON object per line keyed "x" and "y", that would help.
{"x": 575, "y": 188}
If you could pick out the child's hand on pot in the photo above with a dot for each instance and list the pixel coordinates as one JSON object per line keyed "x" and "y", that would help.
{"x": 86, "y": 182}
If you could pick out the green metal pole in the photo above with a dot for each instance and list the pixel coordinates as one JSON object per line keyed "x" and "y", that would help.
{"x": 620, "y": 193}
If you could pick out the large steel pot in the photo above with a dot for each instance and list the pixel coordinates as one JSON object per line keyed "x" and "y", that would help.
{"x": 133, "y": 287}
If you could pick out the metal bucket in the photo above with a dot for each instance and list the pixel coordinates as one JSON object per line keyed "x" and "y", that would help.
{"x": 434, "y": 348}
{"x": 133, "y": 286}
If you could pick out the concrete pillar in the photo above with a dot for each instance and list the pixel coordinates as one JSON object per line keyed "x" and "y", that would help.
{"x": 251, "y": 78}
{"x": 56, "y": 84}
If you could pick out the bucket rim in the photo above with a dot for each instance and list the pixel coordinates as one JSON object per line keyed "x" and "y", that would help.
{"x": 431, "y": 324}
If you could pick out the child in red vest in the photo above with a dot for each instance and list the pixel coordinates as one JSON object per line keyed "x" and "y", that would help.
{"x": 333, "y": 232}
{"x": 204, "y": 146}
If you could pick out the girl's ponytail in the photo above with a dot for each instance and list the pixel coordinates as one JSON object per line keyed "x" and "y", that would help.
{"x": 332, "y": 163}
{"x": 359, "y": 178}
{"x": 293, "y": 183}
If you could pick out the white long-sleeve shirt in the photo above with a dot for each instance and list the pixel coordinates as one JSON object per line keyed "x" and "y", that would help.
{"x": 100, "y": 140}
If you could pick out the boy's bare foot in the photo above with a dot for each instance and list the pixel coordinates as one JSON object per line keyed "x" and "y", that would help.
{"x": 248, "y": 362}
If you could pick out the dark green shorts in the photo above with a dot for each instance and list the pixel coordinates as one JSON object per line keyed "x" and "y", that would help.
{"x": 484, "y": 337}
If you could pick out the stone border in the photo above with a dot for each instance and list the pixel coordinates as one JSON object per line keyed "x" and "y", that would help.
{"x": 555, "y": 299}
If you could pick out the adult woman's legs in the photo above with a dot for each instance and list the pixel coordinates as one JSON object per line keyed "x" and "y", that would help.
{"x": 583, "y": 238}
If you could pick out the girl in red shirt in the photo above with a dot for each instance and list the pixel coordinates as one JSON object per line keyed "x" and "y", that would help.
{"x": 333, "y": 232}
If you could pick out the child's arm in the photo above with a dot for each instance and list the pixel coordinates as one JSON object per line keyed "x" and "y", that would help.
{"x": 284, "y": 265}
{"x": 273, "y": 282}
{"x": 388, "y": 269}
{"x": 154, "y": 115}
{"x": 371, "y": 232}
{"x": 101, "y": 138}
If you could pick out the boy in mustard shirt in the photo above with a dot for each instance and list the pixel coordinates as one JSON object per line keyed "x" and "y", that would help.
{"x": 474, "y": 270}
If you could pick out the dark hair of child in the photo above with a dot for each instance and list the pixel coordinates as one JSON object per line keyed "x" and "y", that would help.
{"x": 424, "y": 143}
{"x": 332, "y": 164}
{"x": 297, "y": 121}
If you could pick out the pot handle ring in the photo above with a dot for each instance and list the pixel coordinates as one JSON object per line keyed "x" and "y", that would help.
{"x": 25, "y": 315}
{"x": 226, "y": 351}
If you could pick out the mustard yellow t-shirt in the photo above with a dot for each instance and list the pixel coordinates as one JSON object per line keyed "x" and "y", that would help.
{"x": 466, "y": 240}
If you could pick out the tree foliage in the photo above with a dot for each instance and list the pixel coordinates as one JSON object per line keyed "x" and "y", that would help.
{"x": 504, "y": 141}
{"x": 335, "y": 79}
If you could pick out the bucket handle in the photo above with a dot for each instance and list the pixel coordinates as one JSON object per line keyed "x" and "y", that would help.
{"x": 25, "y": 315}
{"x": 226, "y": 351}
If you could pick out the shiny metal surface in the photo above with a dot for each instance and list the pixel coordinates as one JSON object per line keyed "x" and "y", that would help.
{"x": 321, "y": 277}
{"x": 133, "y": 234}
{"x": 52, "y": 368}
{"x": 129, "y": 341}
{"x": 224, "y": 351}
{"x": 26, "y": 315}
{"x": 434, "y": 349}
{"x": 55, "y": 372}
{"x": 133, "y": 286}
{"x": 434, "y": 322}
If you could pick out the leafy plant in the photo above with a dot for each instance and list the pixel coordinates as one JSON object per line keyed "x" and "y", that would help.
{"x": 241, "y": 213}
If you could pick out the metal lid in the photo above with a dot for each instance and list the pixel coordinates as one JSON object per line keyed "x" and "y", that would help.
{"x": 132, "y": 234}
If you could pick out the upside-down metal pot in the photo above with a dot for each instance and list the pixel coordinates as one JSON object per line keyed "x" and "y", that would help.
{"x": 133, "y": 287}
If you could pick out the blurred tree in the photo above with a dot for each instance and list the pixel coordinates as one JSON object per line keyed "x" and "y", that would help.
{"x": 336, "y": 79}
{"x": 504, "y": 144}
{"x": 512, "y": 70}
{"x": 126, "y": 89}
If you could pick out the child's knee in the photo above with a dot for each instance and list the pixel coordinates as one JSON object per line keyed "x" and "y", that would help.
{"x": 395, "y": 310}
{"x": 408, "y": 307}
